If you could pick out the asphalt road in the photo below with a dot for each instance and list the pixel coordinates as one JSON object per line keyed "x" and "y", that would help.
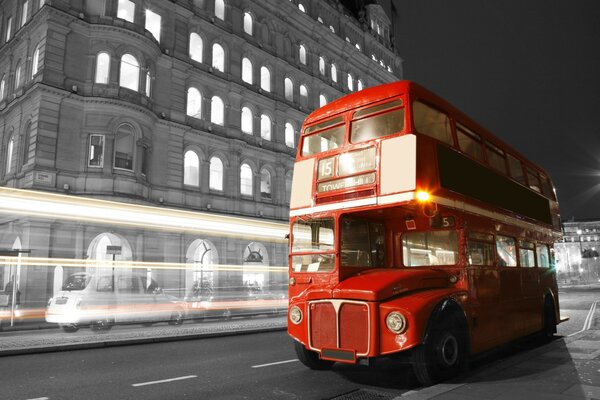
{"x": 576, "y": 302}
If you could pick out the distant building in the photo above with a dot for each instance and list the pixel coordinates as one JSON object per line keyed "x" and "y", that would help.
{"x": 191, "y": 104}
{"x": 577, "y": 255}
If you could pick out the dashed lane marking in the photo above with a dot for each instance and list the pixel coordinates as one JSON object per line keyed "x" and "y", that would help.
{"x": 275, "y": 363}
{"x": 164, "y": 381}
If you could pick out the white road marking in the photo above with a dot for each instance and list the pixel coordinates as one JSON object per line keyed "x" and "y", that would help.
{"x": 164, "y": 381}
{"x": 40, "y": 398}
{"x": 588, "y": 320}
{"x": 275, "y": 363}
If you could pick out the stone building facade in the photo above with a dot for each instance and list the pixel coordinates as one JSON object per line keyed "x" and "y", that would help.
{"x": 577, "y": 255}
{"x": 189, "y": 104}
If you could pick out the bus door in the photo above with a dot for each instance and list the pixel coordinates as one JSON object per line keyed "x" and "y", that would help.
{"x": 511, "y": 294}
{"x": 530, "y": 283}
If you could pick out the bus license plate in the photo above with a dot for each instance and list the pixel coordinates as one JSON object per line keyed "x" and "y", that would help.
{"x": 346, "y": 356}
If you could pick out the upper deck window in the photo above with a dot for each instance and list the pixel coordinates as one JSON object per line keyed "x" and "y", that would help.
{"x": 547, "y": 189}
{"x": 516, "y": 169}
{"x": 331, "y": 136}
{"x": 378, "y": 121}
{"x": 534, "y": 180}
{"x": 432, "y": 122}
{"x": 496, "y": 157}
{"x": 429, "y": 248}
{"x": 469, "y": 142}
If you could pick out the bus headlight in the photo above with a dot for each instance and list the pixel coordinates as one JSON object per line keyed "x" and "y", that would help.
{"x": 395, "y": 322}
{"x": 295, "y": 315}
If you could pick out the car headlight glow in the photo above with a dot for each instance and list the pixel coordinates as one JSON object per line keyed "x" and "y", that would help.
{"x": 295, "y": 315}
{"x": 395, "y": 322}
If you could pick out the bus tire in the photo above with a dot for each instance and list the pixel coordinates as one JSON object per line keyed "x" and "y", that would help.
{"x": 310, "y": 358}
{"x": 443, "y": 355}
{"x": 549, "y": 318}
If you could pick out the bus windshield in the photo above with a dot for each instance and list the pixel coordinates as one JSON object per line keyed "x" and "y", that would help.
{"x": 314, "y": 237}
{"x": 362, "y": 243}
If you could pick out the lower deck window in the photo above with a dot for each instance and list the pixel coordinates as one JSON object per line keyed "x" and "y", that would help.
{"x": 429, "y": 248}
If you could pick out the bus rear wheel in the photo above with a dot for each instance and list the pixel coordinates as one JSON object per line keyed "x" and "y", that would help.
{"x": 310, "y": 358}
{"x": 549, "y": 319}
{"x": 442, "y": 356}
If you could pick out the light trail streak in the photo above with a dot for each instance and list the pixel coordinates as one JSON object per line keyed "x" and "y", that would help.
{"x": 63, "y": 207}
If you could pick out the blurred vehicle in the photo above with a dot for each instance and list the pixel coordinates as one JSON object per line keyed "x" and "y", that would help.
{"x": 236, "y": 302}
{"x": 101, "y": 301}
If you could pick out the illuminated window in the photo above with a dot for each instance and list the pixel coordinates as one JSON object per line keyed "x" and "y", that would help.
{"x": 333, "y": 73}
{"x": 2, "y": 87}
{"x": 126, "y": 10}
{"x": 9, "y": 28}
{"x": 246, "y": 180}
{"x": 303, "y": 96}
{"x": 301, "y": 7}
{"x": 350, "y": 82}
{"x": 220, "y": 9}
{"x": 130, "y": 72}
{"x": 42, "y": 2}
{"x": 321, "y": 65}
{"x": 331, "y": 28}
{"x": 247, "y": 120}
{"x": 216, "y": 174}
{"x": 191, "y": 169}
{"x": 218, "y": 61}
{"x": 265, "y": 183}
{"x": 289, "y": 135}
{"x": 124, "y": 147}
{"x": 9, "y": 155}
{"x": 148, "y": 87}
{"x": 153, "y": 21}
{"x": 302, "y": 54}
{"x": 265, "y": 127}
{"x": 247, "y": 70}
{"x": 102, "y": 68}
{"x": 96, "y": 152}
{"x": 248, "y": 23}
{"x": 18, "y": 77}
{"x": 360, "y": 85}
{"x": 319, "y": 19}
{"x": 196, "y": 47}
{"x": 24, "y": 13}
{"x": 35, "y": 62}
{"x": 506, "y": 251}
{"x": 322, "y": 100}
{"x": 265, "y": 79}
{"x": 217, "y": 111}
{"x": 289, "y": 89}
{"x": 26, "y": 145}
{"x": 194, "y": 103}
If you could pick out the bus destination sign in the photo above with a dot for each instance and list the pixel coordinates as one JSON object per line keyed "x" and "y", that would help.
{"x": 339, "y": 184}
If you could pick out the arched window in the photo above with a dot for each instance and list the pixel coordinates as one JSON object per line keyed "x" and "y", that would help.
{"x": 102, "y": 68}
{"x": 216, "y": 174}
{"x": 322, "y": 100}
{"x": 246, "y": 180}
{"x": 331, "y": 28}
{"x": 194, "y": 103}
{"x": 130, "y": 72}
{"x": 265, "y": 127}
{"x": 319, "y": 19}
{"x": 350, "y": 82}
{"x": 247, "y": 70}
{"x": 9, "y": 154}
{"x": 302, "y": 54}
{"x": 303, "y": 96}
{"x": 301, "y": 7}
{"x": 220, "y": 9}
{"x": 265, "y": 79}
{"x": 218, "y": 61}
{"x": 2, "y": 87}
{"x": 191, "y": 169}
{"x": 126, "y": 10}
{"x": 248, "y": 23}
{"x": 196, "y": 47}
{"x": 333, "y": 73}
{"x": 247, "y": 120}
{"x": 35, "y": 62}
{"x": 217, "y": 111}
{"x": 124, "y": 147}
{"x": 360, "y": 85}
{"x": 265, "y": 183}
{"x": 18, "y": 77}
{"x": 321, "y": 65}
{"x": 289, "y": 89}
{"x": 289, "y": 135}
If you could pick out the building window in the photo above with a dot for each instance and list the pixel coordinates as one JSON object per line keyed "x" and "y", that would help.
{"x": 333, "y": 73}
{"x": 42, "y": 2}
{"x": 124, "y": 147}
{"x": 248, "y": 23}
{"x": 102, "y": 68}
{"x": 350, "y": 82}
{"x": 265, "y": 127}
{"x": 153, "y": 21}
{"x": 289, "y": 135}
{"x": 265, "y": 183}
{"x": 301, "y": 7}
{"x": 196, "y": 47}
{"x": 220, "y": 9}
{"x": 303, "y": 96}
{"x": 218, "y": 61}
{"x": 26, "y": 145}
{"x": 9, "y": 28}
{"x": 360, "y": 85}
{"x": 191, "y": 169}
{"x": 2, "y": 87}
{"x": 319, "y": 19}
{"x": 331, "y": 28}
{"x": 265, "y": 79}
{"x": 126, "y": 10}
{"x": 321, "y": 65}
{"x": 148, "y": 88}
{"x": 96, "y": 158}
{"x": 194, "y": 103}
{"x": 9, "y": 155}
{"x": 92, "y": 7}
{"x": 302, "y": 54}
{"x": 289, "y": 89}
{"x": 130, "y": 72}
{"x": 216, "y": 174}
{"x": 217, "y": 111}
{"x": 18, "y": 77}
{"x": 247, "y": 70}
{"x": 24, "y": 14}
{"x": 247, "y": 120}
{"x": 246, "y": 180}
{"x": 322, "y": 100}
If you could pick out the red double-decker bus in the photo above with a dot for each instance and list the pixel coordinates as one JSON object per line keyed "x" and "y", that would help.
{"x": 413, "y": 229}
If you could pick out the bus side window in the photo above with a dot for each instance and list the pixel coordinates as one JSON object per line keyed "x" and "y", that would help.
{"x": 432, "y": 122}
{"x": 526, "y": 254}
{"x": 534, "y": 180}
{"x": 516, "y": 169}
{"x": 480, "y": 249}
{"x": 104, "y": 284}
{"x": 469, "y": 142}
{"x": 495, "y": 157}
{"x": 506, "y": 250}
{"x": 543, "y": 259}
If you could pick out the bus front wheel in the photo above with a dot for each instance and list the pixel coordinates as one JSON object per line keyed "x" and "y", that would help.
{"x": 310, "y": 358}
{"x": 442, "y": 356}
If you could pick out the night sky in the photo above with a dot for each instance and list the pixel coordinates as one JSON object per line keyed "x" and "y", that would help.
{"x": 527, "y": 70}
